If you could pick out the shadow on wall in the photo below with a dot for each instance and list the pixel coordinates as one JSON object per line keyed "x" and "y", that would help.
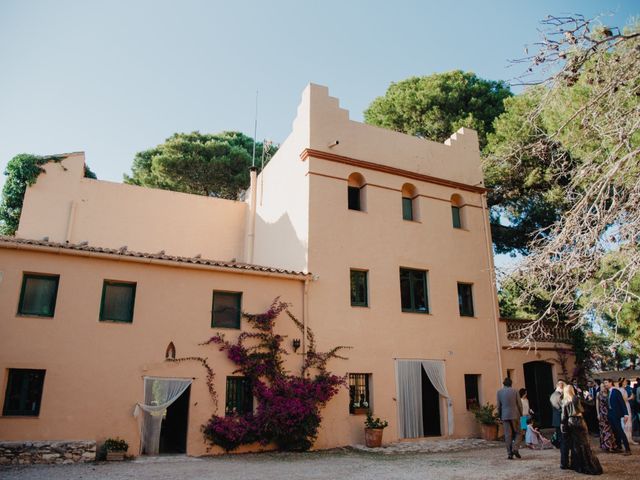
{"x": 277, "y": 244}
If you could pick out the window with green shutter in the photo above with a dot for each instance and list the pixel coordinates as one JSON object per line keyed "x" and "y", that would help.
{"x": 118, "y": 299}
{"x": 359, "y": 293}
{"x": 455, "y": 216}
{"x": 407, "y": 208}
{"x": 465, "y": 299}
{"x": 24, "y": 392}
{"x": 413, "y": 290}
{"x": 38, "y": 294}
{"x": 226, "y": 309}
{"x": 239, "y": 396}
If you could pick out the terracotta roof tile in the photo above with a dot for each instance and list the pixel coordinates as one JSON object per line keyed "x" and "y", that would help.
{"x": 123, "y": 252}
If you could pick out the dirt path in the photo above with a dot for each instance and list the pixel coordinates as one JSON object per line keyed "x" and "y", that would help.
{"x": 483, "y": 463}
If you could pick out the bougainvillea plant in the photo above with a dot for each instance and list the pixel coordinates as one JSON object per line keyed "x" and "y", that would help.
{"x": 289, "y": 405}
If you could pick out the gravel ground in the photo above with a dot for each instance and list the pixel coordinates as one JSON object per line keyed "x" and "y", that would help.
{"x": 344, "y": 464}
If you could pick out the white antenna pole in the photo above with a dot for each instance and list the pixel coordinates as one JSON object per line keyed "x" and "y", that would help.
{"x": 255, "y": 132}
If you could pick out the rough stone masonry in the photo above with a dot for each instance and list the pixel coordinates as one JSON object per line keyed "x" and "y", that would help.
{"x": 51, "y": 452}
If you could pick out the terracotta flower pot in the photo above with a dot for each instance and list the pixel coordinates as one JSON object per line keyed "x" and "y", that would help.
{"x": 361, "y": 411}
{"x": 373, "y": 437}
{"x": 489, "y": 432}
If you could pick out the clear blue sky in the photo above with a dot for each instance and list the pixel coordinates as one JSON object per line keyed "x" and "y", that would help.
{"x": 116, "y": 77}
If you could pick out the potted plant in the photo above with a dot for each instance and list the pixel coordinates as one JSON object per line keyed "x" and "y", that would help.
{"x": 115, "y": 448}
{"x": 487, "y": 416}
{"x": 360, "y": 407}
{"x": 373, "y": 428}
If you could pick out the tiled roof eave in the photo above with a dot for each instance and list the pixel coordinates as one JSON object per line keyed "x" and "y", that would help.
{"x": 161, "y": 257}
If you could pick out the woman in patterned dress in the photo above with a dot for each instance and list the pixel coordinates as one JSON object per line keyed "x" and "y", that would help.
{"x": 607, "y": 439}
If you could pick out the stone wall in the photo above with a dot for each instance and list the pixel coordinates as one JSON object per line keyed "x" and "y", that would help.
{"x": 51, "y": 452}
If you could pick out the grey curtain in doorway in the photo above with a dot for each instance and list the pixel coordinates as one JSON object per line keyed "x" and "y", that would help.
{"x": 159, "y": 394}
{"x": 409, "y": 378}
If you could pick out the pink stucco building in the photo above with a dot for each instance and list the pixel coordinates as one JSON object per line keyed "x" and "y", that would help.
{"x": 379, "y": 240}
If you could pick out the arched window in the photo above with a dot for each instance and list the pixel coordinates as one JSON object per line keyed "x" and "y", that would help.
{"x": 409, "y": 203}
{"x": 170, "y": 353}
{"x": 456, "y": 211}
{"x": 356, "y": 197}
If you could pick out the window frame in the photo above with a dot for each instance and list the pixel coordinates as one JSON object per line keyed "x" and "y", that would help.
{"x": 6, "y": 412}
{"x": 456, "y": 217}
{"x": 351, "y": 190}
{"x": 367, "y": 392}
{"x": 41, "y": 276}
{"x": 407, "y": 209}
{"x": 246, "y": 389}
{"x": 461, "y": 305}
{"x": 365, "y": 303}
{"x": 412, "y": 283}
{"x": 117, "y": 283}
{"x": 238, "y": 306}
{"x": 468, "y": 376}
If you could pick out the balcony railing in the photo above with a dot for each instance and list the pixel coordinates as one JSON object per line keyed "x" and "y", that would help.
{"x": 551, "y": 332}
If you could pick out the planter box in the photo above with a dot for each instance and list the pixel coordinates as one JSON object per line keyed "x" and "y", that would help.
{"x": 489, "y": 432}
{"x": 373, "y": 437}
{"x": 115, "y": 456}
{"x": 360, "y": 411}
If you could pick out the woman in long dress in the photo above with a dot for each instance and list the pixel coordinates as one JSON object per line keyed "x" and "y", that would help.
{"x": 607, "y": 438}
{"x": 583, "y": 460}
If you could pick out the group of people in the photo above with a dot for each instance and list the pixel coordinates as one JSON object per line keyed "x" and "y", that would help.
{"x": 616, "y": 407}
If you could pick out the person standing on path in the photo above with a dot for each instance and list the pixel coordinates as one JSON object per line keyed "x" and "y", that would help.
{"x": 607, "y": 439}
{"x": 510, "y": 411}
{"x": 583, "y": 459}
{"x": 556, "y": 405}
{"x": 617, "y": 412}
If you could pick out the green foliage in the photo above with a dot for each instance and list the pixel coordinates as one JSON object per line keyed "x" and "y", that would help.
{"x": 22, "y": 171}
{"x": 523, "y": 171}
{"x": 486, "y": 414}
{"x": 376, "y": 423}
{"x": 215, "y": 165}
{"x": 436, "y": 106}
{"x": 116, "y": 445}
{"x": 620, "y": 320}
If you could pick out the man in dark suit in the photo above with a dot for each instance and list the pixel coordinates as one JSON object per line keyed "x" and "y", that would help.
{"x": 556, "y": 405}
{"x": 617, "y": 411}
{"x": 510, "y": 411}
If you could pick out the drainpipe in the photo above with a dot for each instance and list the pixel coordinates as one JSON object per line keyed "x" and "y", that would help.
{"x": 253, "y": 174}
{"x": 71, "y": 221}
{"x": 305, "y": 313}
{"x": 492, "y": 282}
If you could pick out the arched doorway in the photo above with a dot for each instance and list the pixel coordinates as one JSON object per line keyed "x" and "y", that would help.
{"x": 538, "y": 380}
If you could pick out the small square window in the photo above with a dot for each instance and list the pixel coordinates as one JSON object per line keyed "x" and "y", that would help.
{"x": 455, "y": 216}
{"x": 407, "y": 208}
{"x": 38, "y": 295}
{"x": 226, "y": 309}
{"x": 359, "y": 393}
{"x": 359, "y": 294}
{"x": 24, "y": 392}
{"x": 413, "y": 291}
{"x": 118, "y": 299}
{"x": 354, "y": 198}
{"x": 472, "y": 391}
{"x": 239, "y": 396}
{"x": 465, "y": 299}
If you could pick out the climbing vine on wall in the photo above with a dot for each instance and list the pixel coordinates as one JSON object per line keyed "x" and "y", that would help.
{"x": 22, "y": 171}
{"x": 289, "y": 405}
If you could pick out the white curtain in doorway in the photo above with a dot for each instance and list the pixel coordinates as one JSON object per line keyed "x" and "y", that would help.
{"x": 409, "y": 377}
{"x": 435, "y": 372}
{"x": 159, "y": 394}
